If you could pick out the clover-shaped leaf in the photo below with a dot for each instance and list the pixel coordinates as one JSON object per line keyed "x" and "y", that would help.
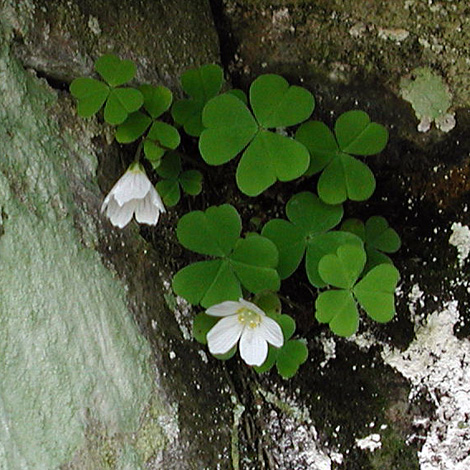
{"x": 249, "y": 262}
{"x": 290, "y": 357}
{"x": 267, "y": 157}
{"x": 115, "y": 71}
{"x": 133, "y": 127}
{"x": 310, "y": 219}
{"x": 202, "y": 324}
{"x": 160, "y": 138}
{"x": 276, "y": 104}
{"x": 356, "y": 134}
{"x": 378, "y": 237}
{"x": 344, "y": 177}
{"x": 201, "y": 84}
{"x": 157, "y": 99}
{"x": 375, "y": 292}
{"x": 91, "y": 95}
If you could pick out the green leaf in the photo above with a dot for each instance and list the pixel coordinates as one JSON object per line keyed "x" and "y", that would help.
{"x": 202, "y": 324}
{"x": 343, "y": 268}
{"x": 115, "y": 71}
{"x": 268, "y": 158}
{"x": 204, "y": 82}
{"x": 170, "y": 166}
{"x": 374, "y": 258}
{"x": 312, "y": 215}
{"x": 230, "y": 127}
{"x": 153, "y": 152}
{"x": 354, "y": 226}
{"x": 164, "y": 134}
{"x": 191, "y": 182}
{"x": 213, "y": 232}
{"x": 290, "y": 242}
{"x": 269, "y": 302}
{"x": 356, "y": 134}
{"x": 121, "y": 102}
{"x": 290, "y": 357}
{"x": 169, "y": 191}
{"x": 337, "y": 307}
{"x": 228, "y": 355}
{"x": 254, "y": 260}
{"x": 240, "y": 94}
{"x": 345, "y": 177}
{"x": 320, "y": 142}
{"x": 207, "y": 283}
{"x": 157, "y": 99}
{"x": 375, "y": 292}
{"x": 287, "y": 324}
{"x": 132, "y": 128}
{"x": 276, "y": 104}
{"x": 91, "y": 95}
{"x": 188, "y": 113}
{"x": 269, "y": 362}
{"x": 381, "y": 236}
{"x": 323, "y": 244}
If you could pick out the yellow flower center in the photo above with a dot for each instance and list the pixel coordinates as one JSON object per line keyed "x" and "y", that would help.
{"x": 248, "y": 317}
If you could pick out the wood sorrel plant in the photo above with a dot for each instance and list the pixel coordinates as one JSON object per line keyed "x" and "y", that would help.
{"x": 345, "y": 260}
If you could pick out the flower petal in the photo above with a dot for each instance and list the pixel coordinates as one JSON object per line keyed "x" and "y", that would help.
{"x": 224, "y": 309}
{"x": 134, "y": 184}
{"x": 224, "y": 335}
{"x": 251, "y": 306}
{"x": 146, "y": 212}
{"x": 120, "y": 216}
{"x": 271, "y": 332}
{"x": 156, "y": 199}
{"x": 253, "y": 347}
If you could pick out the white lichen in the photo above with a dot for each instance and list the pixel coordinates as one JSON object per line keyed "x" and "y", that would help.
{"x": 370, "y": 443}
{"x": 460, "y": 238}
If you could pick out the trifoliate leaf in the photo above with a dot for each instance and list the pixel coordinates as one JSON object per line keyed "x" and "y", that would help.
{"x": 345, "y": 177}
{"x": 203, "y": 83}
{"x": 269, "y": 302}
{"x": 356, "y": 134}
{"x": 132, "y": 128}
{"x": 228, "y": 355}
{"x": 240, "y": 94}
{"x": 308, "y": 217}
{"x": 191, "y": 182}
{"x": 290, "y": 242}
{"x": 213, "y": 232}
{"x": 276, "y": 104}
{"x": 381, "y": 236}
{"x": 355, "y": 226}
{"x": 91, "y": 95}
{"x": 290, "y": 357}
{"x": 342, "y": 268}
{"x": 287, "y": 324}
{"x": 122, "y": 102}
{"x": 153, "y": 152}
{"x": 170, "y": 166}
{"x": 338, "y": 308}
{"x": 157, "y": 99}
{"x": 269, "y": 362}
{"x": 202, "y": 324}
{"x": 164, "y": 134}
{"x": 311, "y": 215}
{"x": 320, "y": 142}
{"x": 270, "y": 157}
{"x": 375, "y": 292}
{"x": 188, "y": 113}
{"x": 115, "y": 71}
{"x": 254, "y": 260}
{"x": 169, "y": 191}
{"x": 322, "y": 244}
{"x": 207, "y": 283}
{"x": 230, "y": 127}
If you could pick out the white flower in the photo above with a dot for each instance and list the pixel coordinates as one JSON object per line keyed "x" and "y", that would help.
{"x": 133, "y": 194}
{"x": 246, "y": 322}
